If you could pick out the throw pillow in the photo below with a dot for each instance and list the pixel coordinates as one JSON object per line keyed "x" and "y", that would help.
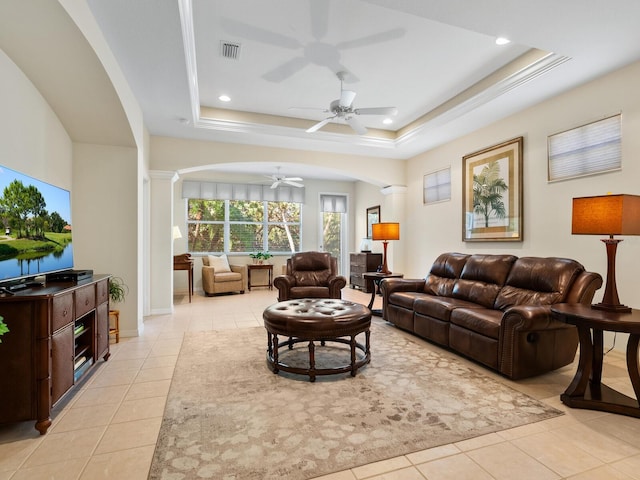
{"x": 220, "y": 264}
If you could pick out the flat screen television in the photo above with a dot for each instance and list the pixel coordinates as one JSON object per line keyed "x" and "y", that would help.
{"x": 35, "y": 235}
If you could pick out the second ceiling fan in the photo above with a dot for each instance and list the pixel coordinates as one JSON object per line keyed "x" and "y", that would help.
{"x": 342, "y": 108}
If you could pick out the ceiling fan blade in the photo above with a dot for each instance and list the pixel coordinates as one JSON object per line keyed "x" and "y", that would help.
{"x": 275, "y": 184}
{"x": 285, "y": 70}
{"x": 317, "y": 109}
{"x": 294, "y": 184}
{"x": 376, "y": 111}
{"x": 319, "y": 19}
{"x": 356, "y": 125}
{"x": 293, "y": 179}
{"x": 346, "y": 98}
{"x": 371, "y": 39}
{"x": 258, "y": 34}
{"x": 319, "y": 125}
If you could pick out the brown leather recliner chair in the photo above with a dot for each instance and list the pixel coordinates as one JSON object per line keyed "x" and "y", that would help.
{"x": 310, "y": 275}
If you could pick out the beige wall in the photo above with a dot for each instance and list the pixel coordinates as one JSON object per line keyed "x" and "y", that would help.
{"x": 434, "y": 229}
{"x": 104, "y": 190}
{"x": 178, "y": 154}
{"x": 32, "y": 139}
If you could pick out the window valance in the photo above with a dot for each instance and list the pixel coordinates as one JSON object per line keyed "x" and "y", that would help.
{"x": 333, "y": 203}
{"x": 241, "y": 191}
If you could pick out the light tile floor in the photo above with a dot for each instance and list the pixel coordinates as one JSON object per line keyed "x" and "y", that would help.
{"x": 107, "y": 428}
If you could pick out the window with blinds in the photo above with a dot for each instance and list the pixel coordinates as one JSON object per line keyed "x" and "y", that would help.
{"x": 586, "y": 150}
{"x": 437, "y": 186}
{"x": 243, "y": 226}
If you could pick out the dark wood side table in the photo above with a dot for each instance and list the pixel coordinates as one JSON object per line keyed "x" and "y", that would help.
{"x": 587, "y": 390}
{"x": 376, "y": 278}
{"x": 185, "y": 262}
{"x": 265, "y": 266}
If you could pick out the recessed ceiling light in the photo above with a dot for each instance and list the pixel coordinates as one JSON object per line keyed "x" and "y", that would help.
{"x": 502, "y": 41}
{"x": 224, "y": 98}
{"x": 387, "y": 121}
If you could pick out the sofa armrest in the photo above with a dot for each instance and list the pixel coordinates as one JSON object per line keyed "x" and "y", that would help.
{"x": 532, "y": 342}
{"x": 391, "y": 285}
{"x": 207, "y": 278}
{"x": 336, "y": 284}
{"x": 284, "y": 283}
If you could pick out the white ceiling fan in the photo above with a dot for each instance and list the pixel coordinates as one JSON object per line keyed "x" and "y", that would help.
{"x": 279, "y": 179}
{"x": 343, "y": 109}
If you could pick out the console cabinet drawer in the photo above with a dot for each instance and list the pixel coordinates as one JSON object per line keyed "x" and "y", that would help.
{"x": 62, "y": 311}
{"x": 102, "y": 291}
{"x": 85, "y": 300}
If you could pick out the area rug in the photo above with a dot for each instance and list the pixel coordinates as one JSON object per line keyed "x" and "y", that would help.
{"x": 228, "y": 417}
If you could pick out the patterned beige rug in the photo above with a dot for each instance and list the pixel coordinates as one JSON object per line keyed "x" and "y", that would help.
{"x": 229, "y": 418}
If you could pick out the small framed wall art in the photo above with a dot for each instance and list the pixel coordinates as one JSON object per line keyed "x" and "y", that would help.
{"x": 492, "y": 193}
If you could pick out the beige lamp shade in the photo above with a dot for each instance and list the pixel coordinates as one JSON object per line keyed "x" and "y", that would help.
{"x": 606, "y": 215}
{"x": 385, "y": 231}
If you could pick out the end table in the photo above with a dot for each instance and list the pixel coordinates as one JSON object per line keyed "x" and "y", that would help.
{"x": 376, "y": 278}
{"x": 587, "y": 390}
{"x": 264, "y": 266}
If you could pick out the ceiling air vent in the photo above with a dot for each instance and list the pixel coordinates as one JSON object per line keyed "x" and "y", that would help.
{"x": 230, "y": 50}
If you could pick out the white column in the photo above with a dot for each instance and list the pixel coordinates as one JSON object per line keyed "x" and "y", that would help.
{"x": 161, "y": 230}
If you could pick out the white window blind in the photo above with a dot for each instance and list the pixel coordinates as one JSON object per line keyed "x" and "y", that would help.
{"x": 237, "y": 191}
{"x": 333, "y": 203}
{"x": 437, "y": 186}
{"x": 586, "y": 150}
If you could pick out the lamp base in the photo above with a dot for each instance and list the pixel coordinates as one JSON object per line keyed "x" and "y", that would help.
{"x": 611, "y": 308}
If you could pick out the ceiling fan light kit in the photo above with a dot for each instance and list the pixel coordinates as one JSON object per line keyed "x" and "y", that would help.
{"x": 342, "y": 108}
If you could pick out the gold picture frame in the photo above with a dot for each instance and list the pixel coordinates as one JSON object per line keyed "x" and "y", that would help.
{"x": 373, "y": 216}
{"x": 492, "y": 193}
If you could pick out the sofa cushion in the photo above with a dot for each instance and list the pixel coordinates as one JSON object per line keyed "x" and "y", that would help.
{"x": 484, "y": 321}
{"x": 440, "y": 307}
{"x": 482, "y": 278}
{"x": 538, "y": 281}
{"x": 404, "y": 299}
{"x": 443, "y": 274}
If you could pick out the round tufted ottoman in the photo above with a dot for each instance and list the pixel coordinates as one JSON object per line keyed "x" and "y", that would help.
{"x": 317, "y": 320}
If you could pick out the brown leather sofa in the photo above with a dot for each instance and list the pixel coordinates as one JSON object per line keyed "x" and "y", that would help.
{"x": 494, "y": 309}
{"x": 310, "y": 275}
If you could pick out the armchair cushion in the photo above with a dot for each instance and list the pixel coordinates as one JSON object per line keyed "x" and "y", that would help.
{"x": 220, "y": 264}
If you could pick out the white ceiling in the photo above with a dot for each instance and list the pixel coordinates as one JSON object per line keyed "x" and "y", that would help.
{"x": 428, "y": 58}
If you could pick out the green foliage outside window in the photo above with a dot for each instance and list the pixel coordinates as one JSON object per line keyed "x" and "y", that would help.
{"x": 236, "y": 226}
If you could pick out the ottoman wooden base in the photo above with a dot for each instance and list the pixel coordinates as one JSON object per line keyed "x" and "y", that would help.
{"x": 314, "y": 320}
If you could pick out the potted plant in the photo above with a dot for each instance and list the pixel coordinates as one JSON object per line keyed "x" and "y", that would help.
{"x": 260, "y": 257}
{"x": 118, "y": 290}
{"x": 3, "y": 328}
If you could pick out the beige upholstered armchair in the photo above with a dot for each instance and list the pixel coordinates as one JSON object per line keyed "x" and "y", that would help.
{"x": 222, "y": 277}
{"x": 310, "y": 275}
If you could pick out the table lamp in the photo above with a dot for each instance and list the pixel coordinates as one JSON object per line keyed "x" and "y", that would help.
{"x": 607, "y": 215}
{"x": 385, "y": 231}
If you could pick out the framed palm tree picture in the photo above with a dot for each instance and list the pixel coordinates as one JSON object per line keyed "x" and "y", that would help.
{"x": 492, "y": 193}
